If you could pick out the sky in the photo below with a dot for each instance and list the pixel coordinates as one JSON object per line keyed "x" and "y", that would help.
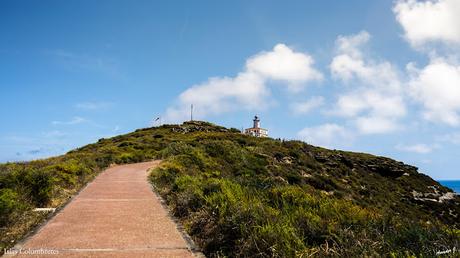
{"x": 379, "y": 76}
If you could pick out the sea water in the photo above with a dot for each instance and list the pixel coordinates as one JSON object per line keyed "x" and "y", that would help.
{"x": 452, "y": 184}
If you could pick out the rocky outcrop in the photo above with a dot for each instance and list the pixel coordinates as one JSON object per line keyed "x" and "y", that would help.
{"x": 435, "y": 196}
{"x": 198, "y": 126}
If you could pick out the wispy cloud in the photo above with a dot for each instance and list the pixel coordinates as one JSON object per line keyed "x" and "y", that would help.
{"x": 415, "y": 148}
{"x": 327, "y": 135}
{"x": 73, "y": 121}
{"x": 54, "y": 134}
{"x": 85, "y": 62}
{"x": 42, "y": 145}
{"x": 453, "y": 138}
{"x": 97, "y": 105}
{"x": 307, "y": 106}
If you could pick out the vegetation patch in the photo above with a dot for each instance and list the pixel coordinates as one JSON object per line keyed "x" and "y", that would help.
{"x": 243, "y": 196}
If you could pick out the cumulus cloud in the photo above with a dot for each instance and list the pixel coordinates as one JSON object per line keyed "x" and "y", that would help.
{"x": 437, "y": 88}
{"x": 437, "y": 85}
{"x": 249, "y": 89}
{"x": 308, "y": 105}
{"x": 283, "y": 64}
{"x": 327, "y": 135}
{"x": 221, "y": 94}
{"x": 416, "y": 148}
{"x": 375, "y": 100}
{"x": 352, "y": 65}
{"x": 429, "y": 21}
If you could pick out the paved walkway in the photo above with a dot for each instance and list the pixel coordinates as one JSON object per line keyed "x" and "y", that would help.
{"x": 117, "y": 215}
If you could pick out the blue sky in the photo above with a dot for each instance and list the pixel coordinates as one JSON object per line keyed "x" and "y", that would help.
{"x": 372, "y": 76}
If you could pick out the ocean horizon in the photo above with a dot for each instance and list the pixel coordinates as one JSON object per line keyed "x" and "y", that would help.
{"x": 452, "y": 184}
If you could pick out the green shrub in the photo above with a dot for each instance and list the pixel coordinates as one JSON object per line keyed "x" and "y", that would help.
{"x": 165, "y": 174}
{"x": 39, "y": 183}
{"x": 176, "y": 148}
{"x": 69, "y": 172}
{"x": 8, "y": 202}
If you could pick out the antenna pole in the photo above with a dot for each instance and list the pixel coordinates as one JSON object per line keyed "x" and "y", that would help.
{"x": 191, "y": 112}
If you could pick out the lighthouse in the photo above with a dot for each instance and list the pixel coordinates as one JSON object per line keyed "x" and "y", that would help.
{"x": 256, "y": 130}
{"x": 256, "y": 122}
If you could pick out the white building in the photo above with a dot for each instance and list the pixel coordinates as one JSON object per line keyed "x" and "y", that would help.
{"x": 255, "y": 130}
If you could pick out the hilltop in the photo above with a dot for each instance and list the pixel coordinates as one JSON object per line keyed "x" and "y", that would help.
{"x": 238, "y": 195}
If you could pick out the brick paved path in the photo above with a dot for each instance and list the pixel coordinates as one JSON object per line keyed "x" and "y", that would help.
{"x": 116, "y": 215}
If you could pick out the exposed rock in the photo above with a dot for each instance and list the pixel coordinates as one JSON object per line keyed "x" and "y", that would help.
{"x": 197, "y": 126}
{"x": 435, "y": 196}
{"x": 287, "y": 160}
{"x": 305, "y": 174}
{"x": 447, "y": 196}
{"x": 281, "y": 179}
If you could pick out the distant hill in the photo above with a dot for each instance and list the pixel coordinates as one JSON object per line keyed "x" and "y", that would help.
{"x": 238, "y": 195}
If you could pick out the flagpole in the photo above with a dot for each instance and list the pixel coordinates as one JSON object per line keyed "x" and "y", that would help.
{"x": 191, "y": 113}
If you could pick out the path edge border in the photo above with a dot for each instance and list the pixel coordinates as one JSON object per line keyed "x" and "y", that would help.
{"x": 35, "y": 229}
{"x": 188, "y": 239}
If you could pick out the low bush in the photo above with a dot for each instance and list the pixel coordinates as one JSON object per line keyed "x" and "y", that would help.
{"x": 39, "y": 186}
{"x": 8, "y": 203}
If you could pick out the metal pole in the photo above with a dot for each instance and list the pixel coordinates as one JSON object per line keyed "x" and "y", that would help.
{"x": 191, "y": 112}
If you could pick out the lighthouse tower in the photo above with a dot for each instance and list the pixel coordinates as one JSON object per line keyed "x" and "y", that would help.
{"x": 255, "y": 130}
{"x": 256, "y": 122}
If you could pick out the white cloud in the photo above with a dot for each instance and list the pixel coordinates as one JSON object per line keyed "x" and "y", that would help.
{"x": 308, "y": 105}
{"x": 416, "y": 148}
{"x": 283, "y": 64}
{"x": 74, "y": 121}
{"x": 453, "y": 138}
{"x": 93, "y": 105}
{"x": 369, "y": 101}
{"x": 54, "y": 134}
{"x": 437, "y": 88}
{"x": 249, "y": 89}
{"x": 437, "y": 85}
{"x": 376, "y": 125}
{"x": 375, "y": 103}
{"x": 326, "y": 135}
{"x": 429, "y": 21}
{"x": 352, "y": 44}
{"x": 85, "y": 62}
{"x": 352, "y": 65}
{"x": 219, "y": 95}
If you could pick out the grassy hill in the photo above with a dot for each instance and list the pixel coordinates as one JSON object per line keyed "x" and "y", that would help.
{"x": 243, "y": 196}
